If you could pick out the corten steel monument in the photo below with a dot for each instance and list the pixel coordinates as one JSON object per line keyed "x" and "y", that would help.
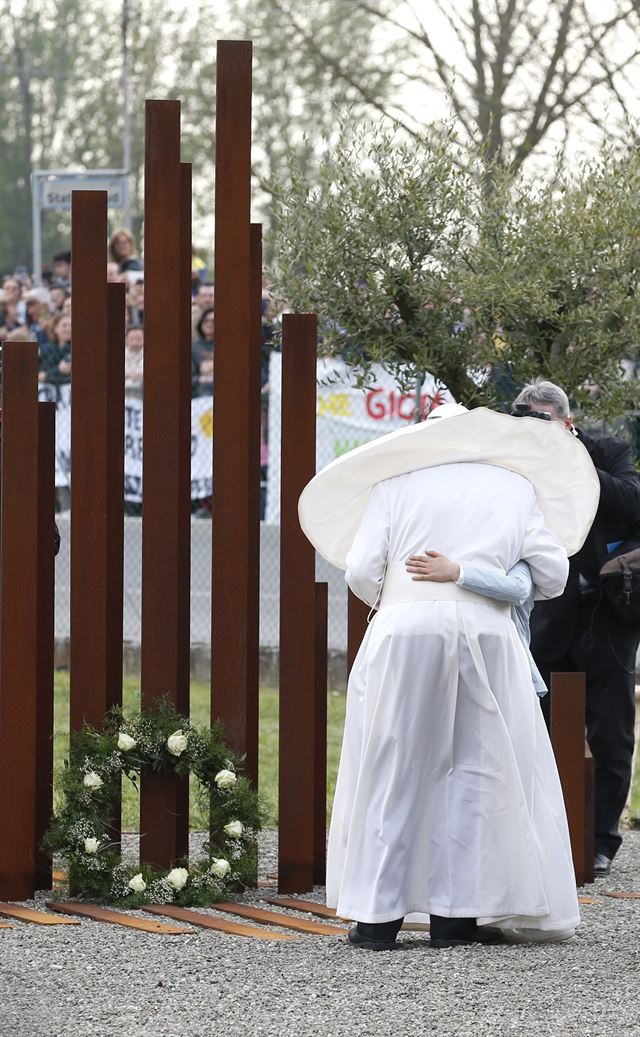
{"x": 26, "y": 552}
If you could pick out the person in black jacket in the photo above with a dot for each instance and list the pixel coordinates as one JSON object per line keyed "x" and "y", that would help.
{"x": 579, "y": 631}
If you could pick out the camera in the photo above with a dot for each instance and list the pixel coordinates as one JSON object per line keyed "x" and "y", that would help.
{"x": 523, "y": 410}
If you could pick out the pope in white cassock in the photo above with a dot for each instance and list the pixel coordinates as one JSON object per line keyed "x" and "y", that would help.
{"x": 448, "y": 800}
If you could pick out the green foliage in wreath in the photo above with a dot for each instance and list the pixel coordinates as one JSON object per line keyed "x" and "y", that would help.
{"x": 161, "y": 740}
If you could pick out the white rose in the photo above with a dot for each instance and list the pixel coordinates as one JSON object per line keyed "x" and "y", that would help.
{"x": 126, "y": 742}
{"x": 91, "y": 845}
{"x": 234, "y": 829}
{"x": 177, "y": 743}
{"x": 225, "y": 779}
{"x": 137, "y": 883}
{"x": 178, "y": 878}
{"x": 220, "y": 867}
{"x": 92, "y": 780}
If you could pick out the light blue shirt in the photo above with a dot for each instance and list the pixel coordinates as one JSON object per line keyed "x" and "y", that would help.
{"x": 516, "y": 587}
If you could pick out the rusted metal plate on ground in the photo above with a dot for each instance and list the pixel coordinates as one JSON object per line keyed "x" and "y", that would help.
{"x": 310, "y": 906}
{"x": 257, "y": 914}
{"x": 28, "y": 914}
{"x": 104, "y": 914}
{"x": 623, "y": 896}
{"x": 222, "y": 925}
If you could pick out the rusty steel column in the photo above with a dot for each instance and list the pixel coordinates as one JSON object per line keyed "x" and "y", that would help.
{"x": 320, "y": 744}
{"x": 568, "y": 740}
{"x": 46, "y": 574}
{"x": 19, "y": 663}
{"x": 297, "y": 609}
{"x": 357, "y": 612}
{"x": 96, "y": 619}
{"x": 235, "y": 575}
{"x": 164, "y": 801}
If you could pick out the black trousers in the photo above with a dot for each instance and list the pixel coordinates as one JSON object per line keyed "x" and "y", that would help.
{"x": 605, "y": 650}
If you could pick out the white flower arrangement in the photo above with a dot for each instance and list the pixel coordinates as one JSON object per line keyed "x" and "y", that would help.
{"x": 166, "y": 742}
{"x": 177, "y": 743}
{"x": 225, "y": 779}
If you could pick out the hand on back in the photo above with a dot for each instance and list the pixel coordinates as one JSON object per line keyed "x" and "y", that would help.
{"x": 434, "y": 567}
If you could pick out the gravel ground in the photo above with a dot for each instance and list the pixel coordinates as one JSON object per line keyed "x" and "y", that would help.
{"x": 99, "y": 980}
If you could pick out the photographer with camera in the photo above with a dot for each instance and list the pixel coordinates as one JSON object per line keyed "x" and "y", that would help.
{"x": 594, "y": 626}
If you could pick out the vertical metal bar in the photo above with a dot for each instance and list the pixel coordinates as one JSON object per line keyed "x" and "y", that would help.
{"x": 567, "y": 738}
{"x": 18, "y": 619}
{"x": 167, "y": 449}
{"x": 320, "y": 744}
{"x": 116, "y": 313}
{"x": 251, "y": 720}
{"x": 184, "y": 468}
{"x": 44, "y": 703}
{"x": 91, "y": 670}
{"x": 590, "y": 815}
{"x": 297, "y": 608}
{"x": 357, "y": 613}
{"x": 234, "y": 633}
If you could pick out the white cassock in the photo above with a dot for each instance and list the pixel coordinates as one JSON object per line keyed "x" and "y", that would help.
{"x": 448, "y": 799}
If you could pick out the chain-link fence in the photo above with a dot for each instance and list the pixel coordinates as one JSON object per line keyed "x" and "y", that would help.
{"x": 347, "y": 417}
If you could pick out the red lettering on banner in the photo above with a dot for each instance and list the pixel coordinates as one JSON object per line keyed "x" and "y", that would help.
{"x": 390, "y": 406}
{"x": 379, "y": 412}
{"x": 408, "y": 398}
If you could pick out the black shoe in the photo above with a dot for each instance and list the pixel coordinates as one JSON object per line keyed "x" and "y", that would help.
{"x": 601, "y": 865}
{"x": 375, "y": 936}
{"x": 461, "y": 932}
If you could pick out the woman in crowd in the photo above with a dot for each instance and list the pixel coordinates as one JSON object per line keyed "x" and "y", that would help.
{"x": 55, "y": 355}
{"x": 123, "y": 251}
{"x": 202, "y": 356}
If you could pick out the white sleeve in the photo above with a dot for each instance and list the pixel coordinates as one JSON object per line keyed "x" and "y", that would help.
{"x": 547, "y": 560}
{"x": 367, "y": 557}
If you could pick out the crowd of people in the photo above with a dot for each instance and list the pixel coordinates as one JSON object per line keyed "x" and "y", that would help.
{"x": 42, "y": 313}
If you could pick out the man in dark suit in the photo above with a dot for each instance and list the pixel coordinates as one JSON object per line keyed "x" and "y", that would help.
{"x": 580, "y": 632}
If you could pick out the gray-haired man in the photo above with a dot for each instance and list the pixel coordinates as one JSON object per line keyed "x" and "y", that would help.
{"x": 579, "y": 630}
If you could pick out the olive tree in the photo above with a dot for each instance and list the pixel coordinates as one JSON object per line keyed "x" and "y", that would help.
{"x": 411, "y": 262}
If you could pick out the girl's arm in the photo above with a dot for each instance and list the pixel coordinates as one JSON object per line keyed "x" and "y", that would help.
{"x": 515, "y": 586}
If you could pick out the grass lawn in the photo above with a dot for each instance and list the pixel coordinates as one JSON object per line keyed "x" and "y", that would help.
{"x": 268, "y": 760}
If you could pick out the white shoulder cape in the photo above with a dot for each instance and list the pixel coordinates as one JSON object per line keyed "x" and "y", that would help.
{"x": 551, "y": 458}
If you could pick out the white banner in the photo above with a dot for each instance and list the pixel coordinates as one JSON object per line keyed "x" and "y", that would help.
{"x": 347, "y": 416}
{"x": 201, "y": 442}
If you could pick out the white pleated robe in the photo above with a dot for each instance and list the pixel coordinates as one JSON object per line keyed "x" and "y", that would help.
{"x": 448, "y": 798}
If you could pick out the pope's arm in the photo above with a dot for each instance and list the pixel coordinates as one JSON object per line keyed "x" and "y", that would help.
{"x": 367, "y": 557}
{"x": 547, "y": 561}
{"x": 514, "y": 586}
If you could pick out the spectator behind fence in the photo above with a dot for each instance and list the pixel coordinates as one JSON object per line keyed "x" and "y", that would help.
{"x": 202, "y": 301}
{"x": 57, "y": 296}
{"x": 55, "y": 355}
{"x": 123, "y": 251}
{"x": 198, "y": 271}
{"x": 580, "y": 630}
{"x": 62, "y": 269}
{"x": 9, "y": 320}
{"x": 113, "y": 274}
{"x": 135, "y": 303}
{"x": 134, "y": 360}
{"x": 12, "y": 289}
{"x": 37, "y": 314}
{"x": 202, "y": 356}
